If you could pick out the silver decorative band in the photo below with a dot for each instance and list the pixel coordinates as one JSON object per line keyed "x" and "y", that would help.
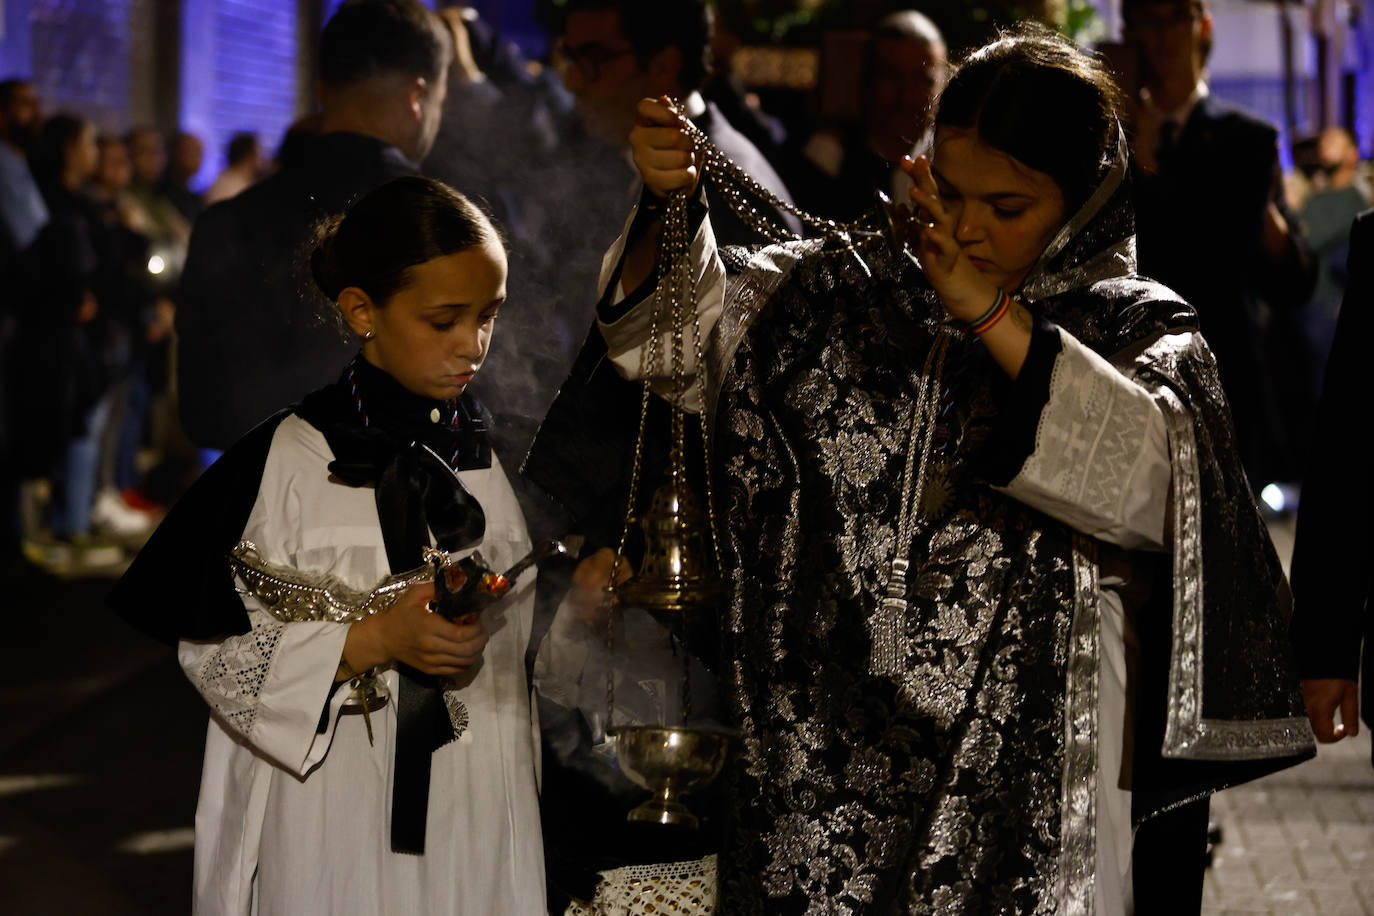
{"x": 1078, "y": 802}
{"x": 1186, "y": 733}
{"x": 293, "y": 596}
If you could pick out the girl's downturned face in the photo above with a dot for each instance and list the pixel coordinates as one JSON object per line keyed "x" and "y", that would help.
{"x": 1004, "y": 212}
{"x": 434, "y": 333}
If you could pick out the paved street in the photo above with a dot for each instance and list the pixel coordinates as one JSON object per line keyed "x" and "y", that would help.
{"x": 1299, "y": 842}
{"x": 100, "y": 757}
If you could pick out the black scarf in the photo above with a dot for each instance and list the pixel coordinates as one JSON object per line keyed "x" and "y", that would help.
{"x": 408, "y": 448}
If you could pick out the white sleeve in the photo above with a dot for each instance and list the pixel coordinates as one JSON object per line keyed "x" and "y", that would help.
{"x": 627, "y": 336}
{"x": 1101, "y": 459}
{"x": 270, "y": 686}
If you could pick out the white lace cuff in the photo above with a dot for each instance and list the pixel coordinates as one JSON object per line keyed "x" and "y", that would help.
{"x": 1101, "y": 459}
{"x": 232, "y": 675}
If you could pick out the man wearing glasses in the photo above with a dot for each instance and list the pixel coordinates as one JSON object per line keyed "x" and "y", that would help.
{"x": 612, "y": 53}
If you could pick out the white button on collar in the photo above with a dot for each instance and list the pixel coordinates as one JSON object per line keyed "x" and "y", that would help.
{"x": 434, "y": 415}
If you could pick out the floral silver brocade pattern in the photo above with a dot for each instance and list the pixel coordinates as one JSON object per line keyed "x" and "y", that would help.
{"x": 966, "y": 785}
{"x": 937, "y": 791}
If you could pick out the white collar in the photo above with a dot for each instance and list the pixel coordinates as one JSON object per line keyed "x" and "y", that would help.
{"x": 1180, "y": 114}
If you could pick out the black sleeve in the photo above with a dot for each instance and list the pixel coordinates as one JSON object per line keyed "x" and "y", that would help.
{"x": 1290, "y": 279}
{"x": 1331, "y": 570}
{"x": 1021, "y": 401}
{"x": 650, "y": 209}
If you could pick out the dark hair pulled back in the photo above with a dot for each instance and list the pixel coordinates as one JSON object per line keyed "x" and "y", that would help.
{"x": 1037, "y": 97}
{"x": 389, "y": 230}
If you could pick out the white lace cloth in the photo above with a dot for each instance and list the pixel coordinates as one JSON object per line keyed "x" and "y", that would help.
{"x": 687, "y": 888}
{"x": 231, "y": 677}
{"x": 1101, "y": 459}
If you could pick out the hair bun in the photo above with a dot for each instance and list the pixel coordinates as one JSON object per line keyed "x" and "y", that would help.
{"x": 323, "y": 263}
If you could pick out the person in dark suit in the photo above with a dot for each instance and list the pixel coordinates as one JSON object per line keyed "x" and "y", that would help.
{"x": 252, "y": 339}
{"x": 1211, "y": 223}
{"x": 1332, "y": 583}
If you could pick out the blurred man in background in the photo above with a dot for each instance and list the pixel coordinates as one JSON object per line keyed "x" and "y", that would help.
{"x": 906, "y": 70}
{"x": 252, "y": 337}
{"x": 244, "y": 168}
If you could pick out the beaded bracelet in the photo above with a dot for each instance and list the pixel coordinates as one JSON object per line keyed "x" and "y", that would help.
{"x": 1000, "y": 306}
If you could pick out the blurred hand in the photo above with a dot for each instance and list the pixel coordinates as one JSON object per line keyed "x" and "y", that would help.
{"x": 1323, "y": 697}
{"x": 963, "y": 289}
{"x": 164, "y": 319}
{"x": 464, "y": 63}
{"x": 662, "y": 150}
{"x": 88, "y": 309}
{"x": 411, "y": 633}
{"x": 587, "y": 597}
{"x": 134, "y": 217}
{"x": 1144, "y": 136}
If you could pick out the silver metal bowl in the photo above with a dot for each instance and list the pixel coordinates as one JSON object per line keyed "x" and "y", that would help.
{"x": 669, "y": 761}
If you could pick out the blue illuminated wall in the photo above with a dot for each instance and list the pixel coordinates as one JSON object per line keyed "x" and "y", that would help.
{"x": 239, "y": 73}
{"x": 76, "y": 51}
{"x": 515, "y": 20}
{"x": 16, "y": 58}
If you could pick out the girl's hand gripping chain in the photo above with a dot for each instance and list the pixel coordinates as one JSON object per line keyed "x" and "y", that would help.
{"x": 662, "y": 150}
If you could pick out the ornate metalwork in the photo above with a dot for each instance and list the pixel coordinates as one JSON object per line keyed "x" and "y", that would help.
{"x": 295, "y": 596}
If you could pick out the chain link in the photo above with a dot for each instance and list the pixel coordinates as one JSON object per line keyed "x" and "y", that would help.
{"x": 734, "y": 183}
{"x": 675, "y": 301}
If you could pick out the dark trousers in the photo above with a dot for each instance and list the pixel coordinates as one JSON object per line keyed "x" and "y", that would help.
{"x": 1169, "y": 860}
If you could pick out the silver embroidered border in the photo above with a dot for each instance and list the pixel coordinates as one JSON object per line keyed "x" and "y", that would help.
{"x": 294, "y": 596}
{"x": 1186, "y": 733}
{"x": 1078, "y": 799}
{"x": 744, "y": 294}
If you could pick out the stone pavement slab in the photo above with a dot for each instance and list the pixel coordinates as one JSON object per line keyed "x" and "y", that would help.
{"x": 1300, "y": 841}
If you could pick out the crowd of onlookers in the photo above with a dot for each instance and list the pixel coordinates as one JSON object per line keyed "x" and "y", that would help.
{"x": 116, "y": 308}
{"x": 94, "y": 228}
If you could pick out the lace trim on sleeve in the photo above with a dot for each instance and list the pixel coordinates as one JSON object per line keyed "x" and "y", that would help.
{"x": 1090, "y": 434}
{"x": 639, "y": 890}
{"x": 1100, "y": 452}
{"x": 231, "y": 677}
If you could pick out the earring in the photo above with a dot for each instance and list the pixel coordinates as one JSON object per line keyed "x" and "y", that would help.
{"x": 367, "y": 335}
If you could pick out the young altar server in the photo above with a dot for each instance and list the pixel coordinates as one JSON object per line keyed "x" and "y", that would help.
{"x": 427, "y": 803}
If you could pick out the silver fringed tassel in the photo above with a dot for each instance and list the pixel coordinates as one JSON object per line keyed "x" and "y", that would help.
{"x": 888, "y": 625}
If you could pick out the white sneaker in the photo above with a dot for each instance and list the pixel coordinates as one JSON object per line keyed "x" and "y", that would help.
{"x": 113, "y": 514}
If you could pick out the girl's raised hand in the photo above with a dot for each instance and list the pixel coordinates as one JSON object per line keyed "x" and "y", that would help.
{"x": 964, "y": 291}
{"x": 662, "y": 150}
